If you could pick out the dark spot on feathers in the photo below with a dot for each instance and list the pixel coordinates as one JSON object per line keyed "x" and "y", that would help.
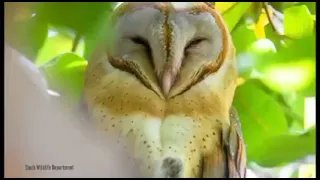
{"x": 144, "y": 142}
{"x": 113, "y": 125}
{"x": 171, "y": 167}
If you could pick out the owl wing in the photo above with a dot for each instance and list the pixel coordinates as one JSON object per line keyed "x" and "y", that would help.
{"x": 229, "y": 161}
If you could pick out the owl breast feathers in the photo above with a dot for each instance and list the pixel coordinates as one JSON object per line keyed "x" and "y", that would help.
{"x": 166, "y": 84}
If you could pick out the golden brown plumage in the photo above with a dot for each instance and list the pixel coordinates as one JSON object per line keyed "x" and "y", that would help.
{"x": 167, "y": 84}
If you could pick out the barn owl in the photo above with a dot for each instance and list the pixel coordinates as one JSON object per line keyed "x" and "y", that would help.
{"x": 166, "y": 84}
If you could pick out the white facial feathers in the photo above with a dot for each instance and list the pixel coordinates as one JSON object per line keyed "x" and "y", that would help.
{"x": 170, "y": 43}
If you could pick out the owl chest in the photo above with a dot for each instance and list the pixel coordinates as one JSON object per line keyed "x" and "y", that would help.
{"x": 186, "y": 127}
{"x": 152, "y": 138}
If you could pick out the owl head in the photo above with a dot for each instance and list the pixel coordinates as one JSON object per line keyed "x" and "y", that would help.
{"x": 169, "y": 47}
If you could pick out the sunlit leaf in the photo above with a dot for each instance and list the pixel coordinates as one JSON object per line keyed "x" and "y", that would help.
{"x": 234, "y": 14}
{"x": 56, "y": 44}
{"x": 292, "y": 76}
{"x": 260, "y": 115}
{"x": 311, "y": 6}
{"x": 259, "y": 26}
{"x": 66, "y": 75}
{"x": 262, "y": 46}
{"x": 291, "y": 68}
{"x": 298, "y": 21}
{"x": 224, "y": 6}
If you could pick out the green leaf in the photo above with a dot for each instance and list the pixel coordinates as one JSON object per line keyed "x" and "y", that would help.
{"x": 298, "y": 21}
{"x": 254, "y": 11}
{"x": 27, "y": 35}
{"x": 280, "y": 6}
{"x": 56, "y": 44}
{"x": 234, "y": 14}
{"x": 65, "y": 74}
{"x": 242, "y": 38}
{"x": 79, "y": 16}
{"x": 260, "y": 115}
{"x": 289, "y": 77}
{"x": 291, "y": 69}
{"x": 282, "y": 149}
{"x": 273, "y": 36}
{"x": 99, "y": 33}
{"x": 224, "y": 6}
{"x": 294, "y": 107}
{"x": 311, "y": 6}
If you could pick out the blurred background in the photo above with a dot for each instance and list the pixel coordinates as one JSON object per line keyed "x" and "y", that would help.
{"x": 275, "y": 45}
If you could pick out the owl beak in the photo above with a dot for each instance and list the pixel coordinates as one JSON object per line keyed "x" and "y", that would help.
{"x": 168, "y": 80}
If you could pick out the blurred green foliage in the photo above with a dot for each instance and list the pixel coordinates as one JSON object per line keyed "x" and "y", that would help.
{"x": 276, "y": 59}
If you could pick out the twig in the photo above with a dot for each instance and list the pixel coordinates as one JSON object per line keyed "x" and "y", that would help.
{"x": 75, "y": 42}
{"x": 273, "y": 26}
